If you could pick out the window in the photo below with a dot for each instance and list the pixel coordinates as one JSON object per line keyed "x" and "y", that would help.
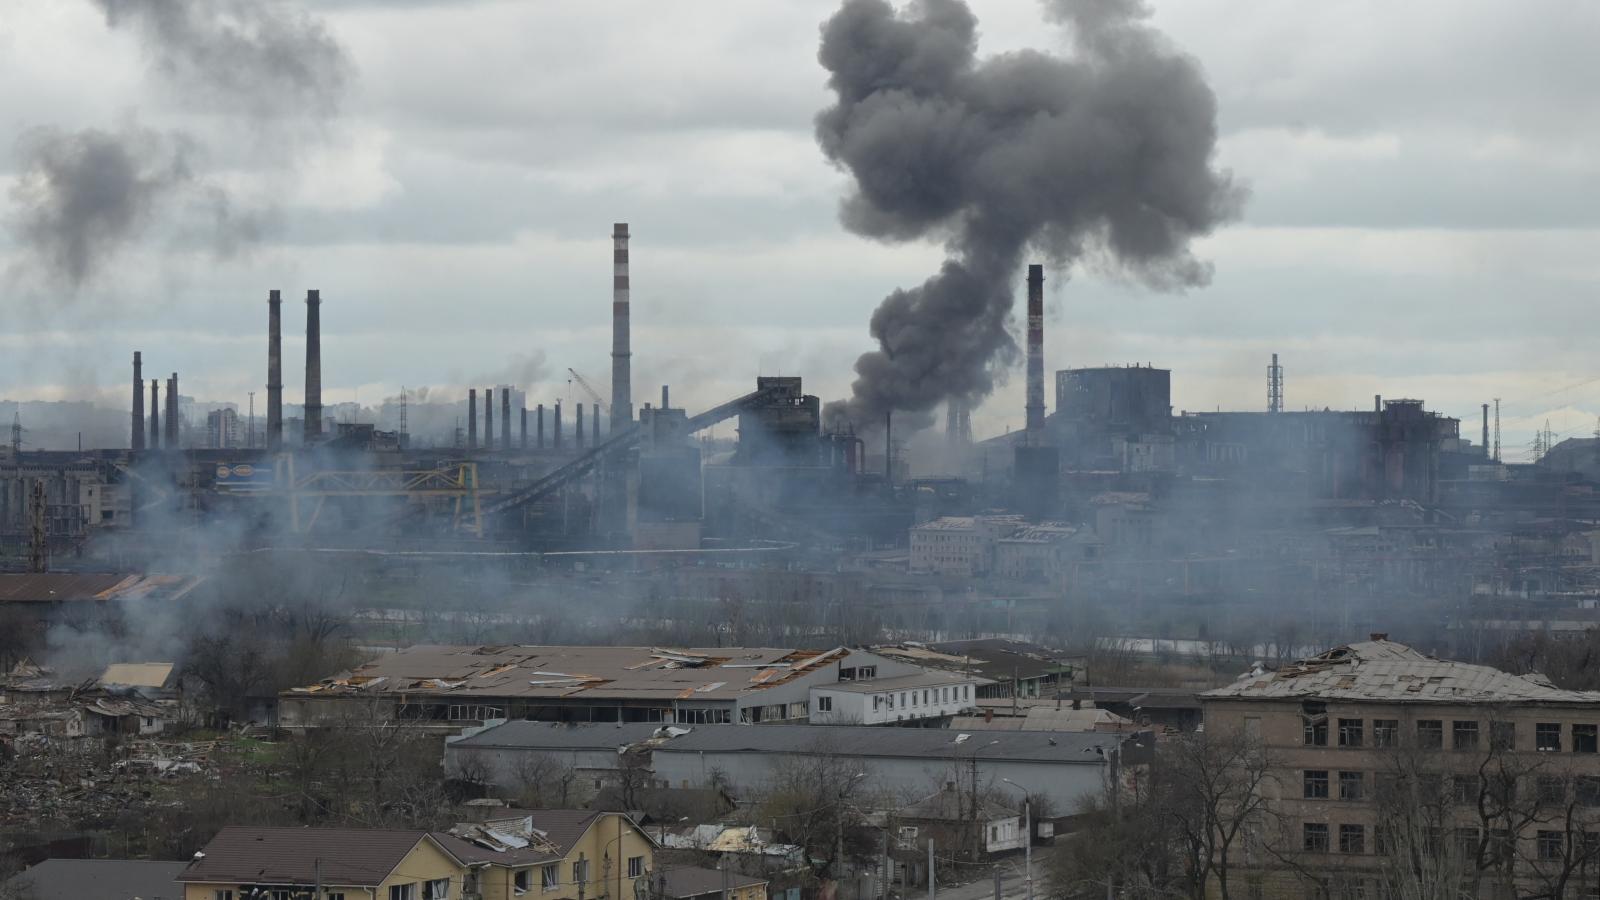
{"x": 1316, "y": 731}
{"x": 281, "y": 894}
{"x": 1351, "y": 733}
{"x": 824, "y": 703}
{"x": 635, "y": 866}
{"x": 580, "y": 871}
{"x": 1352, "y": 838}
{"x": 1385, "y": 732}
{"x": 1315, "y": 837}
{"x": 1549, "y": 845}
{"x": 994, "y": 833}
{"x": 549, "y": 877}
{"x": 1552, "y": 789}
{"x": 520, "y": 880}
{"x": 1588, "y": 790}
{"x": 1464, "y": 734}
{"x": 1430, "y": 734}
{"x": 437, "y": 889}
{"x": 1464, "y": 788}
{"x": 1316, "y": 784}
{"x": 334, "y": 895}
{"x": 902, "y": 699}
{"x": 867, "y": 672}
{"x": 1547, "y": 736}
{"x": 890, "y": 700}
{"x": 1502, "y": 736}
{"x": 1585, "y": 739}
{"x": 1352, "y": 785}
{"x": 1382, "y": 841}
{"x": 1467, "y": 843}
{"x": 403, "y": 891}
{"x": 222, "y": 895}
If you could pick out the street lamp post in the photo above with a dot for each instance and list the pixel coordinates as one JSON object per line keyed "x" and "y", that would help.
{"x": 1027, "y": 835}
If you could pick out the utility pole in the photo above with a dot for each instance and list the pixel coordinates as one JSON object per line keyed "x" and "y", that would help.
{"x": 933, "y": 890}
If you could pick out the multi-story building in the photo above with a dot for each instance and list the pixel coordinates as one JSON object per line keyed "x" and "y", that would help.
{"x": 959, "y": 546}
{"x": 1387, "y": 770}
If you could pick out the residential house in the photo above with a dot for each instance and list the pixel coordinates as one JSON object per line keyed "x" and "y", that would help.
{"x": 349, "y": 863}
{"x": 1375, "y": 752}
{"x": 554, "y": 854}
{"x": 961, "y": 821}
{"x": 696, "y": 883}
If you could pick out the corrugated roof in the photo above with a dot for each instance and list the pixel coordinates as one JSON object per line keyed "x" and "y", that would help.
{"x": 902, "y": 682}
{"x": 357, "y": 857}
{"x": 99, "y": 879}
{"x": 151, "y": 675}
{"x": 560, "y": 735}
{"x": 873, "y": 741}
{"x": 1391, "y": 671}
{"x": 692, "y": 881}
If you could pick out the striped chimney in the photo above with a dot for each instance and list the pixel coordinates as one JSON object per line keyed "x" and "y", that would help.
{"x": 621, "y": 355}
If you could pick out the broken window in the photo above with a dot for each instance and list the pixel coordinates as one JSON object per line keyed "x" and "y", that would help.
{"x": 1316, "y": 731}
{"x": 1547, "y": 736}
{"x": 1502, "y": 735}
{"x": 1464, "y": 734}
{"x": 1430, "y": 734}
{"x": 1351, "y": 733}
{"x": 1352, "y": 785}
{"x": 549, "y": 877}
{"x": 436, "y": 889}
{"x": 1588, "y": 790}
{"x": 1584, "y": 739}
{"x": 519, "y": 881}
{"x": 580, "y": 871}
{"x": 1385, "y": 732}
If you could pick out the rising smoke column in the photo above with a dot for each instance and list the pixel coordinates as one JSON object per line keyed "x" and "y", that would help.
{"x": 1104, "y": 155}
{"x": 82, "y": 196}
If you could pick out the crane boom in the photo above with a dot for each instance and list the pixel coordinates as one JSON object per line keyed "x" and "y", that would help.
{"x": 583, "y": 382}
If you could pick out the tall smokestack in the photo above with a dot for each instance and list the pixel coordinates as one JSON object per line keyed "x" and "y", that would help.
{"x": 137, "y": 439}
{"x": 555, "y": 428}
{"x": 538, "y": 426}
{"x": 313, "y": 366}
{"x": 664, "y": 396}
{"x": 172, "y": 411}
{"x": 488, "y": 418}
{"x": 1035, "y": 408}
{"x": 523, "y": 443}
{"x": 621, "y": 356}
{"x": 578, "y": 432}
{"x": 274, "y": 371}
{"x": 1486, "y": 429}
{"x": 594, "y": 425}
{"x": 472, "y": 418}
{"x": 505, "y": 419}
{"x": 155, "y": 414}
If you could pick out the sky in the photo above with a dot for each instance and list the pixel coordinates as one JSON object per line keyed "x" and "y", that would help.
{"x": 1422, "y": 222}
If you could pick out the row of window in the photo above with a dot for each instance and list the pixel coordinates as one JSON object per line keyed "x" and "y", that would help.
{"x": 550, "y": 875}
{"x": 281, "y": 894}
{"x": 1464, "y": 734}
{"x": 1316, "y": 837}
{"x": 1319, "y": 784}
{"x": 939, "y": 695}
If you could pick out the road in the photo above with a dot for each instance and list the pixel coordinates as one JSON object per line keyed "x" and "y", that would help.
{"x": 1012, "y": 887}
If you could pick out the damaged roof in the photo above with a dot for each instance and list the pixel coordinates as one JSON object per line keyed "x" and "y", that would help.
{"x": 997, "y": 658}
{"x": 67, "y": 587}
{"x": 1393, "y": 672}
{"x": 519, "y": 837}
{"x": 147, "y": 675}
{"x": 594, "y": 672}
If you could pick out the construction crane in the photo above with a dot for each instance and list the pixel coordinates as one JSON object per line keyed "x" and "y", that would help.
{"x": 588, "y": 388}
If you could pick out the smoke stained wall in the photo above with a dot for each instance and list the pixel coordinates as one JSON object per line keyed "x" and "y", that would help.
{"x": 1106, "y": 153}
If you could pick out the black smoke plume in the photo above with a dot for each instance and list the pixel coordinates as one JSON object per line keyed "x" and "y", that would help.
{"x": 1104, "y": 156}
{"x": 81, "y": 197}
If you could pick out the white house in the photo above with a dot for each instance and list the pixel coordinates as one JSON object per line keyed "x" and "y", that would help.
{"x": 885, "y": 701}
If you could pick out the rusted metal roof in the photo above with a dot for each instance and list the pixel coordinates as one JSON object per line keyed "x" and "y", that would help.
{"x": 1390, "y": 671}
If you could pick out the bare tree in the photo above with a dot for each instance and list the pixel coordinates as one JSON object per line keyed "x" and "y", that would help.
{"x": 1212, "y": 787}
{"x": 815, "y": 799}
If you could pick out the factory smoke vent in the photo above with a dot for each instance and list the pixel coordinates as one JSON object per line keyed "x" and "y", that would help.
{"x": 1034, "y": 412}
{"x": 505, "y": 419}
{"x": 313, "y": 366}
{"x": 1274, "y": 386}
{"x": 555, "y": 428}
{"x": 523, "y": 441}
{"x": 1103, "y": 153}
{"x": 577, "y": 420}
{"x": 137, "y": 439}
{"x": 621, "y": 353}
{"x": 488, "y": 418}
{"x": 172, "y": 411}
{"x": 538, "y": 426}
{"x": 274, "y": 371}
{"x": 472, "y": 418}
{"x": 155, "y": 414}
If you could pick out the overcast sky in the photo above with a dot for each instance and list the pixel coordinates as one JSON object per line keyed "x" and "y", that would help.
{"x": 1424, "y": 177}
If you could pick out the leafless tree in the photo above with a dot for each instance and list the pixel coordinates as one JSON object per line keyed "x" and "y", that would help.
{"x": 815, "y": 798}
{"x": 543, "y": 779}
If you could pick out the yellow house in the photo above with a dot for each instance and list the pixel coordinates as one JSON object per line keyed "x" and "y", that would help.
{"x": 242, "y": 863}
{"x": 553, "y": 854}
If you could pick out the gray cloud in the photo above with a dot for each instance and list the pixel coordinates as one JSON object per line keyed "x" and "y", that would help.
{"x": 1107, "y": 153}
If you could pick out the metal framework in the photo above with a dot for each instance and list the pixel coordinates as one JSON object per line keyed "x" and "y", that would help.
{"x": 307, "y": 495}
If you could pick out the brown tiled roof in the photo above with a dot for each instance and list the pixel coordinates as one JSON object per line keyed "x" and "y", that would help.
{"x": 357, "y": 857}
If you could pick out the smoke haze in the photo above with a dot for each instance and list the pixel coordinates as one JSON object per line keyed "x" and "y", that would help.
{"x": 1103, "y": 157}
{"x": 83, "y": 196}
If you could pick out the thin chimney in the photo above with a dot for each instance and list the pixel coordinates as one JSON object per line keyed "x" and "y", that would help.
{"x": 472, "y": 418}
{"x": 313, "y": 366}
{"x": 664, "y": 397}
{"x": 538, "y": 426}
{"x": 137, "y": 441}
{"x": 578, "y": 432}
{"x": 621, "y": 354}
{"x": 505, "y": 418}
{"x": 1486, "y": 429}
{"x": 172, "y": 411}
{"x": 555, "y": 427}
{"x": 155, "y": 414}
{"x": 274, "y": 371}
{"x": 523, "y": 444}
{"x": 1035, "y": 408}
{"x": 488, "y": 418}
{"x": 594, "y": 425}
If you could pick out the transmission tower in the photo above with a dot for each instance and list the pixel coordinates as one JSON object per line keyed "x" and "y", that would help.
{"x": 1497, "y": 429}
{"x": 1274, "y": 386}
